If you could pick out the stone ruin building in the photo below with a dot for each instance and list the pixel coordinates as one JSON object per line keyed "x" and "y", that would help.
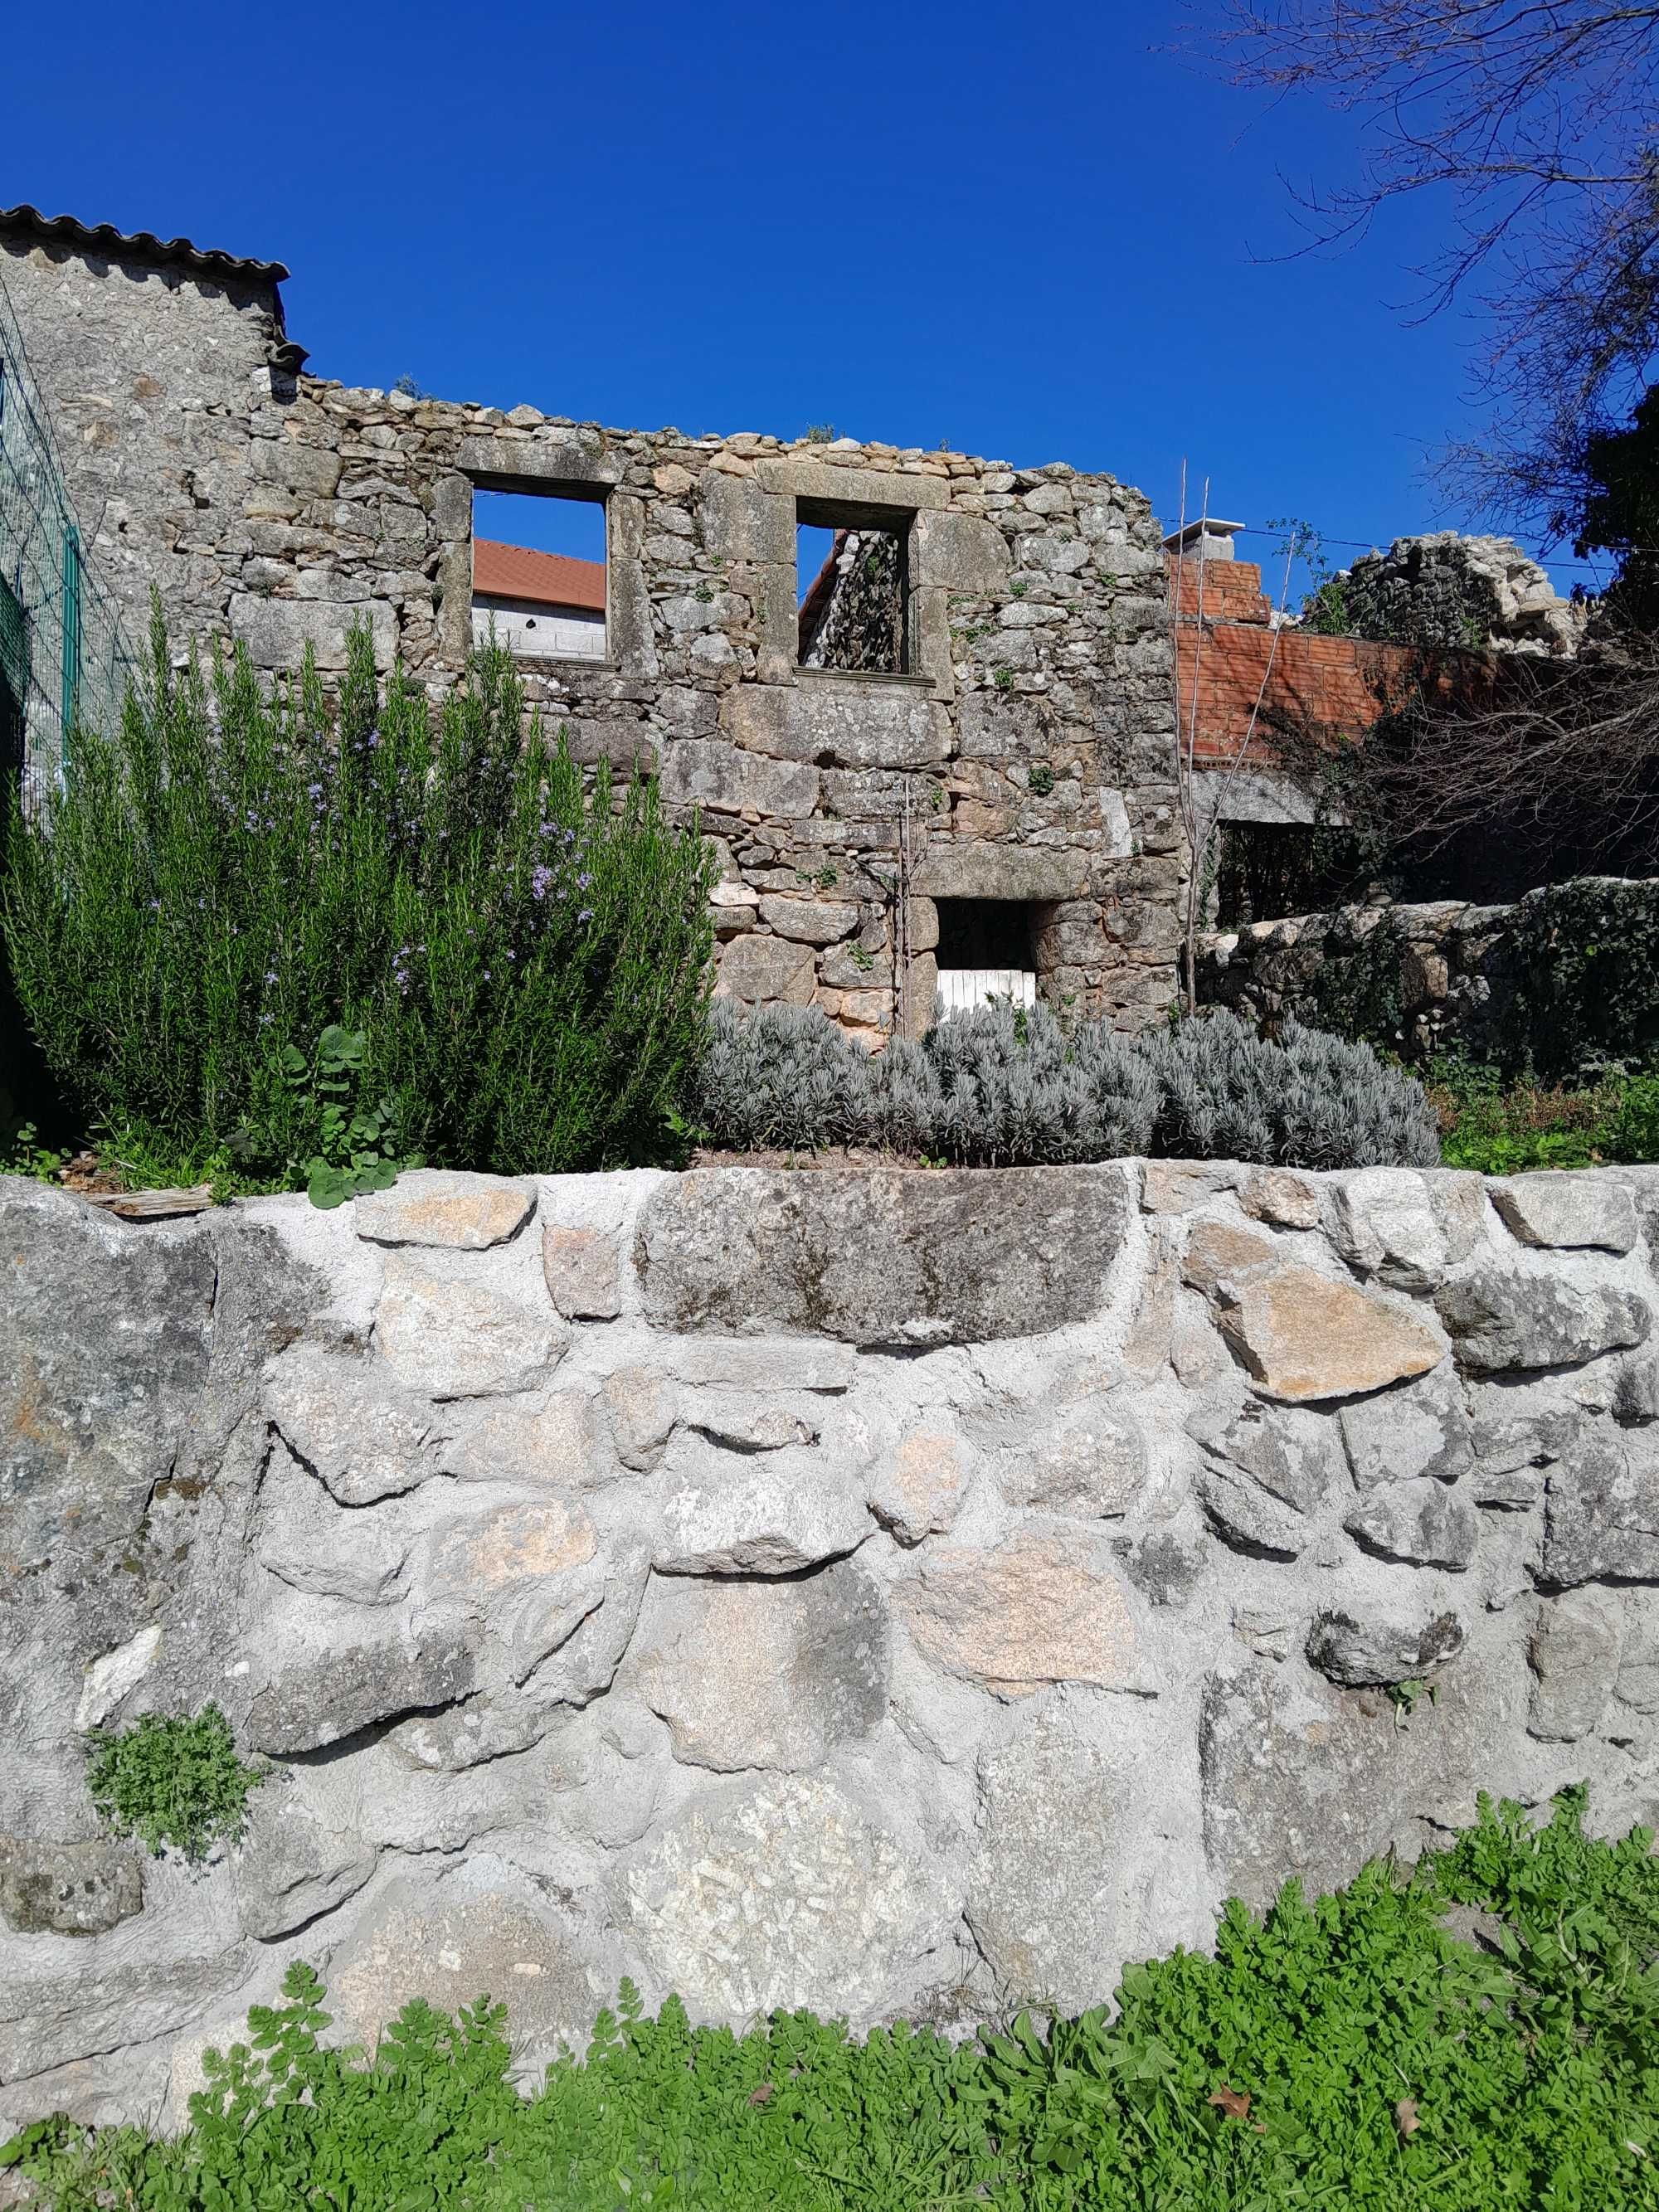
{"x": 925, "y": 704}
{"x": 942, "y": 750}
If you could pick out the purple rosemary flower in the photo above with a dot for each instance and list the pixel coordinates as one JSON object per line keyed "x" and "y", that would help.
{"x": 586, "y": 915}
{"x": 584, "y": 881}
{"x": 540, "y": 877}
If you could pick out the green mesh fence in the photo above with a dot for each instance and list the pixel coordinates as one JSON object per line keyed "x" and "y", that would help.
{"x": 64, "y": 655}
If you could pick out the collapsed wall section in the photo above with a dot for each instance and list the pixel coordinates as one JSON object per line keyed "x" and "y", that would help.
{"x": 889, "y": 1592}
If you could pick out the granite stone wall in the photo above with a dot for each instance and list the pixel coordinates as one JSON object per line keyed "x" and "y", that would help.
{"x": 889, "y": 1592}
{"x": 1437, "y": 976}
{"x": 277, "y": 507}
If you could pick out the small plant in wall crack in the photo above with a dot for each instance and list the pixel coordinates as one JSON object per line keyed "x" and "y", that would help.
{"x": 1039, "y": 779}
{"x": 1406, "y": 1697}
{"x": 172, "y": 1781}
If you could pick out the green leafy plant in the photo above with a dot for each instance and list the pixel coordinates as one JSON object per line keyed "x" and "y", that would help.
{"x": 1507, "y": 1128}
{"x": 27, "y": 1156}
{"x": 1040, "y": 779}
{"x": 172, "y": 1781}
{"x": 526, "y": 953}
{"x": 1631, "y": 1131}
{"x": 355, "y": 1145}
{"x": 1003, "y": 678}
{"x": 1344, "y": 2050}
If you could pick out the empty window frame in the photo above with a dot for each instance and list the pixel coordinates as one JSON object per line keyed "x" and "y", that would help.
{"x": 985, "y": 952}
{"x": 852, "y": 588}
{"x": 539, "y": 570}
{"x": 1268, "y": 870}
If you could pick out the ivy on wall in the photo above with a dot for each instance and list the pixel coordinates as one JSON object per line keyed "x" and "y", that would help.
{"x": 1362, "y": 996}
{"x": 1585, "y": 994}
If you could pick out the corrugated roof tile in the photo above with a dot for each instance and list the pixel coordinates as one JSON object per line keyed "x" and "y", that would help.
{"x": 25, "y": 222}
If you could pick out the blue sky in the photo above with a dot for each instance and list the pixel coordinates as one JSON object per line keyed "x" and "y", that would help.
{"x": 1027, "y": 231}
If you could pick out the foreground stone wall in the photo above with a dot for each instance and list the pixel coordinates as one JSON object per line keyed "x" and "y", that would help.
{"x": 885, "y": 1591}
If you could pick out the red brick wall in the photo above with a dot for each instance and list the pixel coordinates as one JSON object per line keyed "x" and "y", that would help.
{"x": 1334, "y": 683}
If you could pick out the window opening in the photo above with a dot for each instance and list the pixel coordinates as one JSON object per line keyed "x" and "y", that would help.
{"x": 985, "y": 952}
{"x": 539, "y": 571}
{"x": 1267, "y": 869}
{"x": 852, "y": 589}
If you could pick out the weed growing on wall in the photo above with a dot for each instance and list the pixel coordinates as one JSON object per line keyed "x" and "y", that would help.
{"x": 232, "y": 872}
{"x": 172, "y": 1781}
{"x": 1349, "y": 2052}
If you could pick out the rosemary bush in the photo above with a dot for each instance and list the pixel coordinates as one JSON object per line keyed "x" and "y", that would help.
{"x": 235, "y": 870}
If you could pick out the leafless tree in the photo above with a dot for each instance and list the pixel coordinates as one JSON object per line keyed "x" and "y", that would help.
{"x": 1539, "y": 119}
{"x": 1492, "y": 773}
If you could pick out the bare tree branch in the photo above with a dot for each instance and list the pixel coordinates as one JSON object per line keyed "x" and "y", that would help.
{"x": 1503, "y": 771}
{"x": 1539, "y": 120}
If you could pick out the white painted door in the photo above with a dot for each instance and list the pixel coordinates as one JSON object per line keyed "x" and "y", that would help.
{"x": 961, "y": 987}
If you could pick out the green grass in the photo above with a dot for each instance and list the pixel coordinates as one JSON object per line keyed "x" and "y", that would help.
{"x": 1352, "y": 2053}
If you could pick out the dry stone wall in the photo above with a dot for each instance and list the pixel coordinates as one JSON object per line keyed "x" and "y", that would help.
{"x": 1438, "y": 976}
{"x": 277, "y": 507}
{"x": 887, "y": 1591}
{"x": 1439, "y": 973}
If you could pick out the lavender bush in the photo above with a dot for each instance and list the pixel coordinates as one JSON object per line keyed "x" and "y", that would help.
{"x": 1005, "y": 1086}
{"x": 234, "y": 869}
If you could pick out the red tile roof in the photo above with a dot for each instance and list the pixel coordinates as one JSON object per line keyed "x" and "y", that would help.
{"x": 553, "y": 579}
